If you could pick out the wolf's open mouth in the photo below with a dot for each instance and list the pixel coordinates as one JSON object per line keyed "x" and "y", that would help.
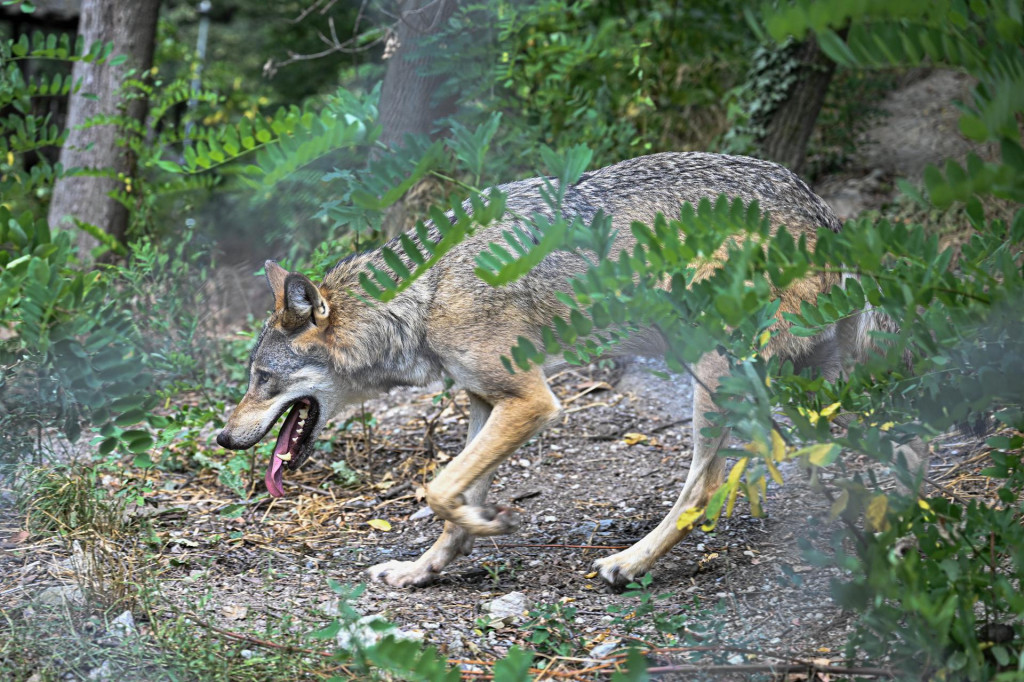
{"x": 293, "y": 443}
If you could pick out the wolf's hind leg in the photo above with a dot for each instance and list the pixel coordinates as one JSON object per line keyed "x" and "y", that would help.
{"x": 455, "y": 541}
{"x": 705, "y": 475}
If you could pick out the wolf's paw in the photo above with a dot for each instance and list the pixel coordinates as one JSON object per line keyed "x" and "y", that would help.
{"x": 487, "y": 519}
{"x": 617, "y": 571}
{"x": 403, "y": 574}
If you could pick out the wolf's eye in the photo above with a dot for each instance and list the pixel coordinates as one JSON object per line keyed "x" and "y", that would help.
{"x": 262, "y": 377}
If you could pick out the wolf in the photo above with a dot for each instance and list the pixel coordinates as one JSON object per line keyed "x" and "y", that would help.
{"x": 326, "y": 346}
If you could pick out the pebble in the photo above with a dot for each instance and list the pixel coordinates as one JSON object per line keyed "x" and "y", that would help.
{"x": 122, "y": 626}
{"x": 424, "y": 513}
{"x": 103, "y": 672}
{"x": 605, "y": 648}
{"x": 369, "y": 630}
{"x": 58, "y": 595}
{"x": 508, "y": 609}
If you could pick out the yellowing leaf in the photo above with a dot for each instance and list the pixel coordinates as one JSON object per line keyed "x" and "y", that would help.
{"x": 634, "y": 438}
{"x": 733, "y": 483}
{"x": 887, "y": 425}
{"x": 379, "y": 524}
{"x": 819, "y": 454}
{"x": 764, "y": 338}
{"x": 756, "y": 492}
{"x": 757, "y": 447}
{"x": 592, "y": 574}
{"x": 811, "y": 415}
{"x": 839, "y": 506}
{"x": 827, "y": 412}
{"x": 923, "y": 504}
{"x": 875, "y": 514}
{"x": 689, "y": 517}
{"x": 778, "y": 447}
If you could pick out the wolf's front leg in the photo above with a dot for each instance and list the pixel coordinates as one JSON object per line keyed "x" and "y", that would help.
{"x": 454, "y": 542}
{"x": 513, "y": 421}
{"x": 488, "y": 443}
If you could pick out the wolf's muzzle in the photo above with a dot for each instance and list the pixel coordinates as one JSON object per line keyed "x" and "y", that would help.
{"x": 225, "y": 440}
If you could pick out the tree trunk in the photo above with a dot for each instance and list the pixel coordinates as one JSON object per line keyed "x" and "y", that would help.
{"x": 791, "y": 124}
{"x": 408, "y": 100}
{"x": 131, "y": 26}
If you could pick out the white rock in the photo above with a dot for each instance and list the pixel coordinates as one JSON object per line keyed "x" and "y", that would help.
{"x": 605, "y": 648}
{"x": 508, "y": 609}
{"x": 424, "y": 513}
{"x": 103, "y": 672}
{"x": 122, "y": 626}
{"x": 369, "y": 630}
{"x": 58, "y": 595}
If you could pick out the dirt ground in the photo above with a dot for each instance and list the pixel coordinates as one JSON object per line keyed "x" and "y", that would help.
{"x": 595, "y": 482}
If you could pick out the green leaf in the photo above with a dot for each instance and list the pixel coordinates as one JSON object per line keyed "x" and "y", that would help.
{"x": 328, "y": 632}
{"x": 143, "y": 461}
{"x": 515, "y": 667}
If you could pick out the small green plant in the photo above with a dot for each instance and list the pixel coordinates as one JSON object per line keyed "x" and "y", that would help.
{"x": 671, "y": 626}
{"x": 552, "y": 632}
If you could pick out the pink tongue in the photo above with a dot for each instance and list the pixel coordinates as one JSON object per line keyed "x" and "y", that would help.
{"x": 275, "y": 474}
{"x": 275, "y": 477}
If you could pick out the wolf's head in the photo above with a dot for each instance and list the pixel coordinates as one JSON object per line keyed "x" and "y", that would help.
{"x": 290, "y": 367}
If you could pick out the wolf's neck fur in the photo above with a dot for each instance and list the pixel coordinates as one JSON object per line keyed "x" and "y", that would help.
{"x": 381, "y": 345}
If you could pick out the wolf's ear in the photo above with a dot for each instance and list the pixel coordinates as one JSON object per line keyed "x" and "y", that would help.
{"x": 303, "y": 300}
{"x": 275, "y": 278}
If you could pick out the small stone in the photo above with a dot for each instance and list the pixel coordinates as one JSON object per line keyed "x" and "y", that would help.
{"x": 369, "y": 630}
{"x": 605, "y": 648}
{"x": 103, "y": 672}
{"x": 524, "y": 463}
{"x": 247, "y": 654}
{"x": 424, "y": 513}
{"x": 429, "y": 625}
{"x": 58, "y": 595}
{"x": 508, "y": 609}
{"x": 593, "y": 527}
{"x": 122, "y": 626}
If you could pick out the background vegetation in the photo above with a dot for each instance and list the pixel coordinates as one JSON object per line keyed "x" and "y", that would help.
{"x": 108, "y": 353}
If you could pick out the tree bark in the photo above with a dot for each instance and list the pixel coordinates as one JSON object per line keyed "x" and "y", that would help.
{"x": 790, "y": 126}
{"x": 408, "y": 98}
{"x": 131, "y": 26}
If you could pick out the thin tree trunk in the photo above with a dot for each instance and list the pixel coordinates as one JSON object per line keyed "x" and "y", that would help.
{"x": 409, "y": 102}
{"x": 791, "y": 124}
{"x": 408, "y": 98}
{"x": 131, "y": 26}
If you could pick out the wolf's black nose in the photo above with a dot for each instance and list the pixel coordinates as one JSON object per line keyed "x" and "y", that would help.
{"x": 224, "y": 440}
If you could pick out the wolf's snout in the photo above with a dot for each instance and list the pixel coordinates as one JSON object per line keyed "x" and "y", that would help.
{"x": 225, "y": 440}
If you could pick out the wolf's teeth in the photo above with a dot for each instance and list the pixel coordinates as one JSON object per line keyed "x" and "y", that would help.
{"x": 285, "y": 456}
{"x": 303, "y": 412}
{"x": 295, "y": 439}
{"x": 302, "y": 422}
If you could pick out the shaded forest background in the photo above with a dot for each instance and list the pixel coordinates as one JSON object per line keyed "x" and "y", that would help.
{"x": 154, "y": 153}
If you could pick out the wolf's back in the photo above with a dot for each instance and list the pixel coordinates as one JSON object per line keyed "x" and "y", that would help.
{"x": 639, "y": 189}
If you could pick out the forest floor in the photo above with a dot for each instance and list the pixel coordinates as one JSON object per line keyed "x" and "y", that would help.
{"x": 596, "y": 482}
